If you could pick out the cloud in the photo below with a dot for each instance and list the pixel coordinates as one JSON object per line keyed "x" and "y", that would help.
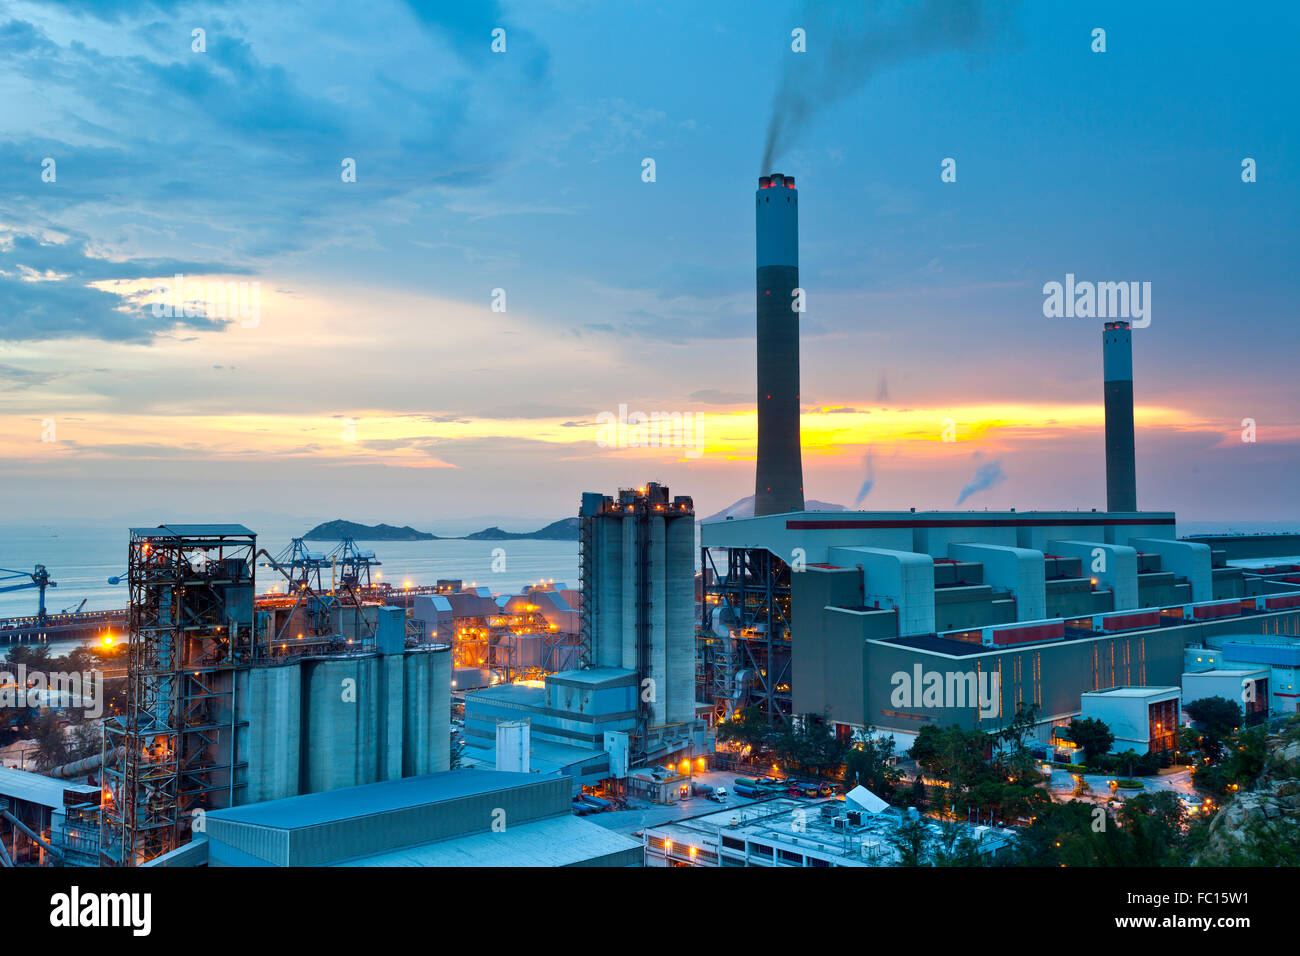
{"x": 46, "y": 292}
{"x": 240, "y": 147}
{"x": 712, "y": 396}
{"x": 13, "y": 379}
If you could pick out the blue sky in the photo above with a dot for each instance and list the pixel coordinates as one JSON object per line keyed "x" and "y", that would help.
{"x": 522, "y": 171}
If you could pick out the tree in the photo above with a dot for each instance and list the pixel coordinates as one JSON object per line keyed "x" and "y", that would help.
{"x": 1153, "y": 823}
{"x": 956, "y": 757}
{"x": 911, "y": 840}
{"x": 955, "y": 846}
{"x": 870, "y": 763}
{"x": 1093, "y": 737}
{"x": 1011, "y": 748}
{"x": 1217, "y": 719}
{"x": 51, "y": 743}
{"x": 747, "y": 727}
{"x": 807, "y": 743}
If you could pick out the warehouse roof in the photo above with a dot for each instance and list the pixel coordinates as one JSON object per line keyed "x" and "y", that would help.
{"x": 37, "y": 788}
{"x": 555, "y": 841}
{"x": 312, "y": 809}
{"x": 191, "y": 531}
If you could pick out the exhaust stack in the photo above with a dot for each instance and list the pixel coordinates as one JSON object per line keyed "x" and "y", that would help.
{"x": 778, "y": 477}
{"x": 1117, "y": 364}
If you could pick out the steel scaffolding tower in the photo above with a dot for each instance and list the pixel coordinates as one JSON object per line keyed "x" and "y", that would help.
{"x": 190, "y": 629}
{"x": 750, "y": 666}
{"x": 586, "y": 583}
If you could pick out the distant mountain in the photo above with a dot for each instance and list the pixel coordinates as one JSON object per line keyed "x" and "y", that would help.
{"x": 744, "y": 508}
{"x": 566, "y": 529}
{"x": 339, "y": 529}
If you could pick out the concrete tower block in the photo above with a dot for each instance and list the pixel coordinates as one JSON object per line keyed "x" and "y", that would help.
{"x": 1187, "y": 559}
{"x": 1018, "y": 570}
{"x": 903, "y": 580}
{"x": 1113, "y": 565}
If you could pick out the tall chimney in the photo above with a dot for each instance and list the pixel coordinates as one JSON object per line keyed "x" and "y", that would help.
{"x": 1117, "y": 364}
{"x": 778, "y": 478}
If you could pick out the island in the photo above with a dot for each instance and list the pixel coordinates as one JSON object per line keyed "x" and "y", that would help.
{"x": 338, "y": 529}
{"x": 566, "y": 529}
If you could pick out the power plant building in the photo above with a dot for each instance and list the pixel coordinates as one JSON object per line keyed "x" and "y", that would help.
{"x": 896, "y": 621}
{"x": 632, "y": 703}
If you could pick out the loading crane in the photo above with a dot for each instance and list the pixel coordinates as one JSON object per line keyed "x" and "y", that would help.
{"x": 39, "y": 578}
{"x": 355, "y": 564}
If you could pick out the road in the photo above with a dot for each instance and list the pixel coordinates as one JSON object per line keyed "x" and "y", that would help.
{"x": 630, "y": 821}
{"x": 1062, "y": 785}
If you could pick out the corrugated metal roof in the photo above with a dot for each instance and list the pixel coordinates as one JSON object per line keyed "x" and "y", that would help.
{"x": 1279, "y": 655}
{"x": 37, "y": 788}
{"x": 191, "y": 530}
{"x": 312, "y": 809}
{"x": 594, "y": 676}
{"x": 555, "y": 841}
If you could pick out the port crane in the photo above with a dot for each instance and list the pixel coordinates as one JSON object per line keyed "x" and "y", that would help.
{"x": 303, "y": 571}
{"x": 39, "y": 578}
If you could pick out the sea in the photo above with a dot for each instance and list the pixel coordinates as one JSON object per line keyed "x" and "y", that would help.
{"x": 82, "y": 557}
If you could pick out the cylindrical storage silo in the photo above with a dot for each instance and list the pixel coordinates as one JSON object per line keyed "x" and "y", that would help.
{"x": 268, "y": 701}
{"x": 426, "y": 711}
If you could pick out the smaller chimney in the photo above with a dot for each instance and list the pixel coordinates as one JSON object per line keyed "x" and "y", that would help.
{"x": 1117, "y": 365}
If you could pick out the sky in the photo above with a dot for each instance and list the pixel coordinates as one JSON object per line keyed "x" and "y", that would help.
{"x": 440, "y": 335}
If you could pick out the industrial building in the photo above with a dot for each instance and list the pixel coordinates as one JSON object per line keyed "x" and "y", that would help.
{"x": 901, "y": 620}
{"x": 457, "y": 818}
{"x": 1022, "y": 607}
{"x": 501, "y": 638}
{"x": 46, "y": 821}
{"x": 1142, "y": 719}
{"x": 631, "y": 703}
{"x": 784, "y": 832}
{"x": 234, "y": 701}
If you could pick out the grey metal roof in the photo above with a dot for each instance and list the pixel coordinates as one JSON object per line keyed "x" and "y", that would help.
{"x": 312, "y": 809}
{"x": 191, "y": 531}
{"x": 594, "y": 676}
{"x": 555, "y": 841}
{"x": 37, "y": 788}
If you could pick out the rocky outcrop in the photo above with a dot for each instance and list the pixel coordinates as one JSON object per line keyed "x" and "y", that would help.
{"x": 1260, "y": 826}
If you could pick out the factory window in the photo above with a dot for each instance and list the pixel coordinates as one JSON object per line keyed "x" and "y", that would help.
{"x": 814, "y": 861}
{"x": 789, "y": 856}
{"x": 760, "y": 850}
{"x": 732, "y": 860}
{"x": 731, "y": 843}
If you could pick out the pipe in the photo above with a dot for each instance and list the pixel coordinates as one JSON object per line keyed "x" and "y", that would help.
{"x": 78, "y": 767}
{"x": 36, "y": 837}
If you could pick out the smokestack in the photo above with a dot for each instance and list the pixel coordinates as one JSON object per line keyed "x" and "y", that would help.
{"x": 1117, "y": 364}
{"x": 778, "y": 479}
